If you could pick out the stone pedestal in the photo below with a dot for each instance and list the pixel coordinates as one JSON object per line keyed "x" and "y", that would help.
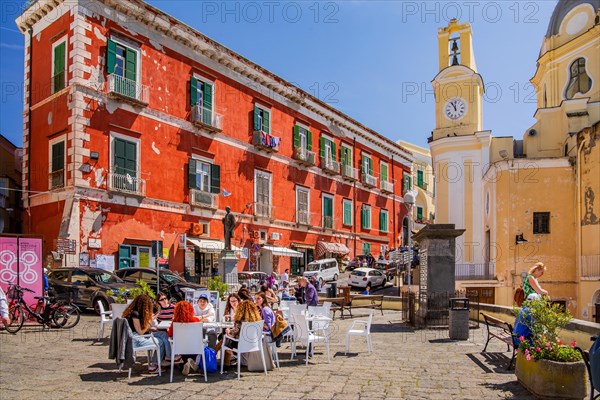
{"x": 437, "y": 250}
{"x": 227, "y": 263}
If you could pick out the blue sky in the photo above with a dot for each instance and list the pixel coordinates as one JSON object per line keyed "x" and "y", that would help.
{"x": 373, "y": 60}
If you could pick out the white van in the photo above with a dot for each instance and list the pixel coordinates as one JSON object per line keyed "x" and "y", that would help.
{"x": 324, "y": 270}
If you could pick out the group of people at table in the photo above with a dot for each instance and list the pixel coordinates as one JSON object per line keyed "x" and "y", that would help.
{"x": 146, "y": 316}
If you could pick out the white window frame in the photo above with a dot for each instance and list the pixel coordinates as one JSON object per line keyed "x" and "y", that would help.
{"x": 323, "y": 197}
{"x": 138, "y": 52}
{"x": 368, "y": 207}
{"x": 345, "y": 146}
{"x": 387, "y": 221}
{"x": 344, "y": 202}
{"x": 204, "y": 160}
{"x": 300, "y": 188}
{"x": 213, "y": 85}
{"x": 138, "y": 153}
{"x": 52, "y": 142}
{"x": 328, "y": 147}
{"x": 64, "y": 40}
{"x": 267, "y": 109}
{"x": 364, "y": 157}
{"x": 258, "y": 172}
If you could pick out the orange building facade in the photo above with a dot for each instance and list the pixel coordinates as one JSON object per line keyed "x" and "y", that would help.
{"x": 139, "y": 128}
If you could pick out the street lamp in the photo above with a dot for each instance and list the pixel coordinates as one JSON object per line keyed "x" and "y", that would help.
{"x": 409, "y": 202}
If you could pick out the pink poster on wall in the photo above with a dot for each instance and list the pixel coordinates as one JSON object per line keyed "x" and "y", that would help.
{"x": 26, "y": 270}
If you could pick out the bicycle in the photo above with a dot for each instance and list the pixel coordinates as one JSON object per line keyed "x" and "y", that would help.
{"x": 52, "y": 313}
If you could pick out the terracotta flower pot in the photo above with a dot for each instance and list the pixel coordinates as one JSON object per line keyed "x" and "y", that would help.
{"x": 551, "y": 379}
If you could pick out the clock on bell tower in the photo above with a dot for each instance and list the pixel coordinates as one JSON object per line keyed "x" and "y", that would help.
{"x": 458, "y": 87}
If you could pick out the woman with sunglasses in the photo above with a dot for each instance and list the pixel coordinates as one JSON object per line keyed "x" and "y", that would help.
{"x": 166, "y": 308}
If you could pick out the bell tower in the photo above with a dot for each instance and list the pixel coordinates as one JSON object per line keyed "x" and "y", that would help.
{"x": 458, "y": 87}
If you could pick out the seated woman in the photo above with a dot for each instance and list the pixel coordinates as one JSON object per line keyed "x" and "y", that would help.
{"x": 184, "y": 312}
{"x": 266, "y": 314}
{"x": 531, "y": 286}
{"x": 246, "y": 312}
{"x": 139, "y": 316}
{"x": 166, "y": 308}
{"x": 233, "y": 300}
{"x": 269, "y": 294}
{"x": 206, "y": 312}
{"x": 286, "y": 291}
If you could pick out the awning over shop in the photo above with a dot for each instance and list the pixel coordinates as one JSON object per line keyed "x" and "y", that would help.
{"x": 333, "y": 248}
{"x": 282, "y": 251}
{"x": 210, "y": 245}
{"x": 302, "y": 245}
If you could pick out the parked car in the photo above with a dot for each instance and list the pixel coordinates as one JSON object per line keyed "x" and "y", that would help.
{"x": 87, "y": 286}
{"x": 324, "y": 270}
{"x": 252, "y": 279}
{"x": 361, "y": 276}
{"x": 388, "y": 267}
{"x": 171, "y": 283}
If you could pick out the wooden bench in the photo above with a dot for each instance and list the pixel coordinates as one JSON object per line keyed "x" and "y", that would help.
{"x": 337, "y": 304}
{"x": 374, "y": 302}
{"x": 500, "y": 330}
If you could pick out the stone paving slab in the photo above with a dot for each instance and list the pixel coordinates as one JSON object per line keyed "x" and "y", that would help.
{"x": 405, "y": 364}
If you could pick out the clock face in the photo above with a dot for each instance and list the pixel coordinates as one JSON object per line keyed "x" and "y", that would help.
{"x": 455, "y": 108}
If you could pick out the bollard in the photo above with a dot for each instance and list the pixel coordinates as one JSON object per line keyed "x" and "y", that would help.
{"x": 459, "y": 319}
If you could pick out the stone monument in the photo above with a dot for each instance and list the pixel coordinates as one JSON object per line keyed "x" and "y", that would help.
{"x": 437, "y": 257}
{"x": 227, "y": 259}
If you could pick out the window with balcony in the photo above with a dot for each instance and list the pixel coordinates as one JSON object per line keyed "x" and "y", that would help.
{"x": 302, "y": 206}
{"x": 262, "y": 119}
{"x": 122, "y": 67}
{"x": 59, "y": 65}
{"x": 201, "y": 100}
{"x": 347, "y": 205}
{"x": 406, "y": 183}
{"x": 262, "y": 194}
{"x": 383, "y": 221}
{"x": 366, "y": 216}
{"x": 383, "y": 168}
{"x": 204, "y": 182}
{"x": 420, "y": 181}
{"x": 328, "y": 155}
{"x": 419, "y": 213}
{"x": 327, "y": 211}
{"x": 303, "y": 145}
{"x": 579, "y": 80}
{"x": 57, "y": 163}
{"x": 541, "y": 222}
{"x": 346, "y": 163}
{"x": 368, "y": 179}
{"x": 124, "y": 175}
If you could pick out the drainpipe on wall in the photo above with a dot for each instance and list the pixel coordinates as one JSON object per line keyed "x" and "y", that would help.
{"x": 30, "y": 142}
{"x": 578, "y": 216}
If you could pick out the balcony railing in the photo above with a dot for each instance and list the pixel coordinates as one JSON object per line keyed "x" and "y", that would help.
{"x": 330, "y": 166}
{"x": 59, "y": 82}
{"x": 128, "y": 89}
{"x": 263, "y": 210}
{"x": 304, "y": 156}
{"x": 303, "y": 217}
{"x": 207, "y": 118}
{"x": 348, "y": 172}
{"x": 57, "y": 179}
{"x": 202, "y": 198}
{"x": 266, "y": 141}
{"x": 590, "y": 266}
{"x": 125, "y": 183}
{"x": 423, "y": 185}
{"x": 475, "y": 272}
{"x": 327, "y": 222}
{"x": 369, "y": 180}
{"x": 387, "y": 187}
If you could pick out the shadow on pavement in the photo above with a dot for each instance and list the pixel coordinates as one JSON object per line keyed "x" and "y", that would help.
{"x": 513, "y": 389}
{"x": 494, "y": 362}
{"x": 391, "y": 328}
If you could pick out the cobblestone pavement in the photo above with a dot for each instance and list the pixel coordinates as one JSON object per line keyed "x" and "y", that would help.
{"x": 405, "y": 364}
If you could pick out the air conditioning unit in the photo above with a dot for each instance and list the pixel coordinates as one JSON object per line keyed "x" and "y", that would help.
{"x": 197, "y": 229}
{"x": 275, "y": 236}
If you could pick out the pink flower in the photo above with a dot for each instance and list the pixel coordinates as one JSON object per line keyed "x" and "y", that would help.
{"x": 574, "y": 343}
{"x": 538, "y": 349}
{"x": 528, "y": 357}
{"x": 522, "y": 338}
{"x": 526, "y": 352}
{"x": 548, "y": 345}
{"x": 559, "y": 341}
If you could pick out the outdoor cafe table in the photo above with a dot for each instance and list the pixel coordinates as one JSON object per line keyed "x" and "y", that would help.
{"x": 164, "y": 325}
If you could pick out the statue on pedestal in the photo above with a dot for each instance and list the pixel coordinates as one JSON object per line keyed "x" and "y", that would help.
{"x": 229, "y": 225}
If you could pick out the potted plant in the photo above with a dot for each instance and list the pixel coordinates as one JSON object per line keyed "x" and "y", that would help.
{"x": 545, "y": 366}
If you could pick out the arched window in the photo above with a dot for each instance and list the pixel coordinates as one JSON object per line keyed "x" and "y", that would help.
{"x": 579, "y": 80}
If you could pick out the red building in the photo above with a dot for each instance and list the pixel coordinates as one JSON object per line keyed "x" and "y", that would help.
{"x": 139, "y": 128}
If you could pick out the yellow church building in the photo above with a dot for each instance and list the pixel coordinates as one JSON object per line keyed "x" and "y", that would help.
{"x": 535, "y": 198}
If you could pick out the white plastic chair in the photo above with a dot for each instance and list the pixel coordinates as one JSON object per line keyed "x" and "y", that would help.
{"x": 303, "y": 334}
{"x": 284, "y": 306}
{"x": 273, "y": 348}
{"x": 117, "y": 310}
{"x": 250, "y": 340}
{"x": 320, "y": 326}
{"x": 188, "y": 338}
{"x": 364, "y": 331}
{"x": 296, "y": 309}
{"x": 105, "y": 318}
{"x": 221, "y": 311}
{"x": 149, "y": 348}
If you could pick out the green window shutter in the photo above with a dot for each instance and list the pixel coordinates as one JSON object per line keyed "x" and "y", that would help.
{"x": 193, "y": 91}
{"x": 322, "y": 147}
{"x": 296, "y": 136}
{"x": 342, "y": 155}
{"x": 207, "y": 101}
{"x": 384, "y": 172}
{"x": 131, "y": 158}
{"x": 420, "y": 178}
{"x": 131, "y": 64}
{"x": 215, "y": 179}
{"x": 59, "y": 58}
{"x": 405, "y": 187}
{"x": 58, "y": 156}
{"x": 363, "y": 217}
{"x": 266, "y": 121}
{"x": 409, "y": 182}
{"x": 124, "y": 256}
{"x": 347, "y": 213}
{"x": 192, "y": 174}
{"x": 362, "y": 164}
{"x": 327, "y": 207}
{"x": 111, "y": 56}
{"x": 366, "y": 248}
{"x": 308, "y": 142}
{"x": 125, "y": 157}
{"x": 419, "y": 212}
{"x": 333, "y": 151}
{"x": 257, "y": 126}
{"x": 370, "y": 162}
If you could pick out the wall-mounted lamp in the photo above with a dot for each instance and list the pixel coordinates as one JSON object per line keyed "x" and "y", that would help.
{"x": 520, "y": 239}
{"x": 85, "y": 168}
{"x": 94, "y": 155}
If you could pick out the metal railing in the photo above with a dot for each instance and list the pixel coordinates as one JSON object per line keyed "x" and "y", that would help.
{"x": 387, "y": 187}
{"x": 202, "y": 198}
{"x": 423, "y": 185}
{"x": 303, "y": 217}
{"x": 128, "y": 88}
{"x": 590, "y": 266}
{"x": 369, "y": 180}
{"x": 305, "y": 156}
{"x": 327, "y": 222}
{"x": 126, "y": 183}
{"x": 328, "y": 165}
{"x": 59, "y": 82}
{"x": 263, "y": 210}
{"x": 207, "y": 117}
{"x": 467, "y": 272}
{"x": 266, "y": 141}
{"x": 57, "y": 179}
{"x": 349, "y": 172}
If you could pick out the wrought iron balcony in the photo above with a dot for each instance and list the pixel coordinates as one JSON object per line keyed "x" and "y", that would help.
{"x": 202, "y": 198}
{"x": 475, "y": 272}
{"x": 329, "y": 166}
{"x": 59, "y": 82}
{"x": 266, "y": 141}
{"x": 263, "y": 210}
{"x": 128, "y": 89}
{"x": 206, "y": 118}
{"x": 349, "y": 173}
{"x": 303, "y": 217}
{"x": 57, "y": 179}
{"x": 327, "y": 222}
{"x": 387, "y": 187}
{"x": 125, "y": 183}
{"x": 423, "y": 185}
{"x": 304, "y": 156}
{"x": 369, "y": 180}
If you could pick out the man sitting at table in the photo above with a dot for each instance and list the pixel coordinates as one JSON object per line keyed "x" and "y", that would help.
{"x": 311, "y": 298}
{"x": 206, "y": 312}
